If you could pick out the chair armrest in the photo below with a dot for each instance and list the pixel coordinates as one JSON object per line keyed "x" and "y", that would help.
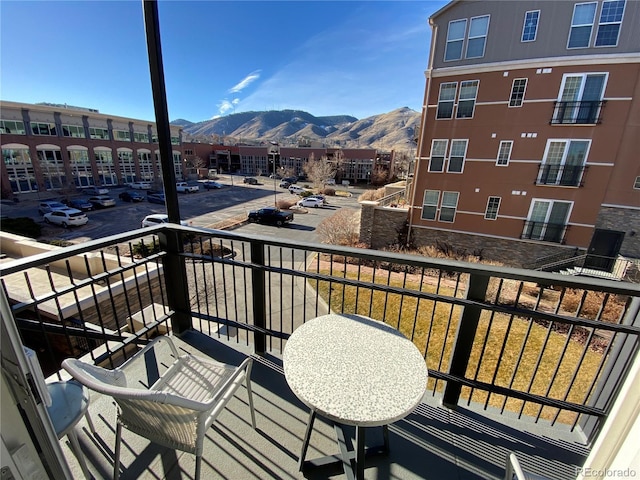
{"x": 150, "y": 346}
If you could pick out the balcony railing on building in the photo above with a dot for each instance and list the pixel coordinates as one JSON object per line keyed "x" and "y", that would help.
{"x": 563, "y": 175}
{"x": 548, "y": 232}
{"x": 577, "y": 113}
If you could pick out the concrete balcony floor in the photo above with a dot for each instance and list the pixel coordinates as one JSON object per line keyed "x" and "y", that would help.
{"x": 431, "y": 443}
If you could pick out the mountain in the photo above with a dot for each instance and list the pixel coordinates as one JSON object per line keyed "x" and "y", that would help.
{"x": 388, "y": 131}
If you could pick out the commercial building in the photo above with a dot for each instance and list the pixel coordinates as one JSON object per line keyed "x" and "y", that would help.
{"x": 528, "y": 146}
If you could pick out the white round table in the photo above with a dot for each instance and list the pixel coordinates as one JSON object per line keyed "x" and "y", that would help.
{"x": 355, "y": 371}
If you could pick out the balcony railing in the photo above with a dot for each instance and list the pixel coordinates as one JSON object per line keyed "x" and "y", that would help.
{"x": 534, "y": 344}
{"x": 563, "y": 175}
{"x": 548, "y": 232}
{"x": 577, "y": 113}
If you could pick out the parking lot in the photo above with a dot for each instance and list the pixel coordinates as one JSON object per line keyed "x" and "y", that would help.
{"x": 203, "y": 209}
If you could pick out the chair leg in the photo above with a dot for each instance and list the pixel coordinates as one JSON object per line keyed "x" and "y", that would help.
{"x": 116, "y": 462}
{"x": 250, "y": 394}
{"x": 90, "y": 422}
{"x": 198, "y": 466}
{"x": 73, "y": 438}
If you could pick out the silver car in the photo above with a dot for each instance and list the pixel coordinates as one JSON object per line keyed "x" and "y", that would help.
{"x": 102, "y": 201}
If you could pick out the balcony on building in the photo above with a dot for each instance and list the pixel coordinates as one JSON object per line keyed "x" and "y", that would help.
{"x": 586, "y": 112}
{"x": 548, "y": 232}
{"x": 535, "y": 379}
{"x": 562, "y": 175}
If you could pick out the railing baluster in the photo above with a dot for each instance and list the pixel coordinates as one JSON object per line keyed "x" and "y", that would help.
{"x": 258, "y": 297}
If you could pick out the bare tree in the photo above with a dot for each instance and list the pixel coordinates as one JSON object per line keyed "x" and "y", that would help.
{"x": 401, "y": 162}
{"x": 380, "y": 175}
{"x": 342, "y": 228}
{"x": 319, "y": 171}
{"x": 338, "y": 162}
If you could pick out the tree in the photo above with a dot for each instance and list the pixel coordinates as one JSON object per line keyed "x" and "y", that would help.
{"x": 318, "y": 171}
{"x": 401, "y": 162}
{"x": 342, "y": 228}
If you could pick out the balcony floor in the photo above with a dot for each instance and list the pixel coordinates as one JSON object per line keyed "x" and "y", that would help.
{"x": 431, "y": 443}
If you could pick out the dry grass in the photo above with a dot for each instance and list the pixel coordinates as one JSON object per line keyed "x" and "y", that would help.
{"x": 372, "y": 195}
{"x": 519, "y": 353}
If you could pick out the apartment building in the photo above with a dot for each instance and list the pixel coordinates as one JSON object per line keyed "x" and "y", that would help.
{"x": 530, "y": 133}
{"x": 49, "y": 147}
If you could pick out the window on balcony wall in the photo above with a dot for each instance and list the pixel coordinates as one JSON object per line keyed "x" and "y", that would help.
{"x": 430, "y": 204}
{"x": 122, "y": 135}
{"x": 518, "y": 87}
{"x": 504, "y": 153}
{"x": 73, "y": 131}
{"x": 438, "y": 153}
{"x": 457, "y": 156}
{"x": 467, "y": 99}
{"x": 455, "y": 40}
{"x": 449, "y": 206}
{"x": 13, "y": 127}
{"x": 584, "y": 15}
{"x": 99, "y": 133}
{"x": 530, "y": 27}
{"x": 547, "y": 220}
{"x": 446, "y": 99}
{"x": 493, "y": 205}
{"x": 580, "y": 99}
{"x": 39, "y": 128}
{"x": 20, "y": 171}
{"x": 609, "y": 23}
{"x": 478, "y": 29}
{"x": 563, "y": 162}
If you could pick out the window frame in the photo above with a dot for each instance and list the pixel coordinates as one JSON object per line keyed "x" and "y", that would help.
{"x": 636, "y": 183}
{"x": 601, "y": 23}
{"x": 434, "y": 205}
{"x": 563, "y": 161}
{"x": 582, "y": 25}
{"x": 125, "y": 138}
{"x": 444, "y": 156}
{"x": 497, "y": 208}
{"x": 545, "y": 224}
{"x": 484, "y": 36}
{"x": 513, "y": 104}
{"x": 474, "y": 99}
{"x": 524, "y": 26}
{"x": 506, "y": 164}
{"x": 464, "y": 156}
{"x": 51, "y": 128}
{"x": 448, "y": 207}
{"x": 16, "y": 130}
{"x": 94, "y": 133}
{"x": 449, "y": 41}
{"x": 79, "y": 130}
{"x": 453, "y": 100}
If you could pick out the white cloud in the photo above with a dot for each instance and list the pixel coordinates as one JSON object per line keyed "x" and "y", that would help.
{"x": 225, "y": 105}
{"x": 245, "y": 82}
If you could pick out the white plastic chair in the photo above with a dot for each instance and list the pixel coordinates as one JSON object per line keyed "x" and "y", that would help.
{"x": 514, "y": 470}
{"x": 178, "y": 409}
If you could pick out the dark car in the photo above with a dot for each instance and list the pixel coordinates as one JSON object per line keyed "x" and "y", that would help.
{"x": 291, "y": 180}
{"x": 131, "y": 197}
{"x": 79, "y": 204}
{"x": 156, "y": 198}
{"x": 271, "y": 215}
{"x": 250, "y": 180}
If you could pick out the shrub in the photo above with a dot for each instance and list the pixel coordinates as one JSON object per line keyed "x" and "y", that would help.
{"x": 142, "y": 249}
{"x": 329, "y": 191}
{"x": 342, "y": 228}
{"x": 285, "y": 204}
{"x": 306, "y": 193}
{"x": 60, "y": 243}
{"x": 372, "y": 195}
{"x": 24, "y": 226}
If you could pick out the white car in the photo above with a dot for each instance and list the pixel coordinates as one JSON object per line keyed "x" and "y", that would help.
{"x": 140, "y": 185}
{"x": 296, "y": 189}
{"x": 157, "y": 219}
{"x": 67, "y": 217}
{"x": 95, "y": 191}
{"x": 50, "y": 206}
{"x": 184, "y": 187}
{"x": 311, "y": 202}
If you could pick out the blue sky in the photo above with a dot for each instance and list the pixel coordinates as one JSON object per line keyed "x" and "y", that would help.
{"x": 326, "y": 58}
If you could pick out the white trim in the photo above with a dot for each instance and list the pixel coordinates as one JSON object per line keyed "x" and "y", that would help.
{"x": 613, "y": 205}
{"x": 77, "y": 147}
{"x": 14, "y": 146}
{"x": 513, "y": 83}
{"x": 571, "y": 25}
{"x": 585, "y": 225}
{"x": 469, "y": 37}
{"x": 595, "y": 39}
{"x": 47, "y": 146}
{"x": 524, "y": 24}
{"x": 598, "y": 164}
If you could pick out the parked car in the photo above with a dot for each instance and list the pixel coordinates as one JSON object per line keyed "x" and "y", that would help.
{"x": 250, "y": 180}
{"x": 95, "y": 191}
{"x": 330, "y": 181}
{"x": 284, "y": 184}
{"x": 184, "y": 187}
{"x": 79, "y": 203}
{"x": 67, "y": 217}
{"x": 49, "y": 206}
{"x": 320, "y": 197}
{"x": 310, "y": 202}
{"x": 270, "y": 215}
{"x": 102, "y": 201}
{"x": 156, "y": 198}
{"x": 275, "y": 175}
{"x": 157, "y": 219}
{"x": 291, "y": 180}
{"x": 131, "y": 197}
{"x": 296, "y": 189}
{"x": 140, "y": 185}
{"x": 211, "y": 185}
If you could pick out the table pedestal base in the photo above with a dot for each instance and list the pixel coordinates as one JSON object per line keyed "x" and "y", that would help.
{"x": 352, "y": 461}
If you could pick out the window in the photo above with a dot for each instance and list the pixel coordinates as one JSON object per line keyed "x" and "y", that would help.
{"x": 438, "y": 152}
{"x": 43, "y": 128}
{"x": 12, "y": 126}
{"x": 140, "y": 137}
{"x": 610, "y": 22}
{"x": 478, "y": 29}
{"x": 122, "y": 135}
{"x": 636, "y": 184}
{"x": 580, "y": 98}
{"x": 455, "y": 39}
{"x": 188, "y": 151}
{"x": 99, "y": 133}
{"x": 456, "y": 158}
{"x": 74, "y": 131}
{"x": 446, "y": 98}
{"x": 80, "y": 167}
{"x": 52, "y": 167}
{"x": 146, "y": 165}
{"x": 581, "y": 25}
{"x": 517, "y": 92}
{"x": 127, "y": 165}
{"x": 493, "y": 205}
{"x": 430, "y": 204}
{"x": 449, "y": 205}
{"x": 563, "y": 162}
{"x": 504, "y": 152}
{"x": 547, "y": 220}
{"x": 467, "y": 100}
{"x": 104, "y": 164}
{"x": 530, "y": 27}
{"x": 20, "y": 169}
{"x": 175, "y": 140}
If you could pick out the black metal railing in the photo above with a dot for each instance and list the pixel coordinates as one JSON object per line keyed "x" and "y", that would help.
{"x": 536, "y": 344}
{"x": 577, "y": 113}
{"x": 548, "y": 232}
{"x": 564, "y": 175}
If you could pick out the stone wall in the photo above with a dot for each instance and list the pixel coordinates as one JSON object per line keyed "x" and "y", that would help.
{"x": 623, "y": 220}
{"x": 379, "y": 225}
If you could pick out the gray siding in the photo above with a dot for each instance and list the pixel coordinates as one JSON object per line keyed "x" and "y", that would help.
{"x": 505, "y": 30}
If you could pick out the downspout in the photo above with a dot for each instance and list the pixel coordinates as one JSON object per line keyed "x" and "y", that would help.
{"x": 423, "y": 123}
